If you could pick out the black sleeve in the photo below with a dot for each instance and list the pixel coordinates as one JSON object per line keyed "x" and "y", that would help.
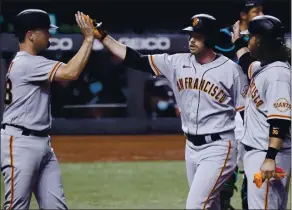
{"x": 282, "y": 127}
{"x": 244, "y": 61}
{"x": 137, "y": 61}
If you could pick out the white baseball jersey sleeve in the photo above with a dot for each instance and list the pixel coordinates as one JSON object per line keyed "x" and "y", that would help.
{"x": 240, "y": 90}
{"x": 162, "y": 65}
{"x": 207, "y": 95}
{"x": 42, "y": 69}
{"x": 268, "y": 98}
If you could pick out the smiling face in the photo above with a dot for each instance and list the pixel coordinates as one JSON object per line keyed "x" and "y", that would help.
{"x": 196, "y": 43}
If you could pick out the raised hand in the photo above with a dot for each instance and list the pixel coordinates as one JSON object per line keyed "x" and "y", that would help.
{"x": 85, "y": 25}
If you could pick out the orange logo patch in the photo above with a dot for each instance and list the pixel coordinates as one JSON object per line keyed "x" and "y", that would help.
{"x": 275, "y": 131}
{"x": 195, "y": 21}
{"x": 282, "y": 105}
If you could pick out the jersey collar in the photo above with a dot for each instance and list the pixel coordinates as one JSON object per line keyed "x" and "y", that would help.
{"x": 274, "y": 64}
{"x": 218, "y": 60}
{"x": 20, "y": 53}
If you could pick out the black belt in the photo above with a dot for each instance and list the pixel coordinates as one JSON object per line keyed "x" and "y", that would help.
{"x": 199, "y": 140}
{"x": 249, "y": 148}
{"x": 27, "y": 132}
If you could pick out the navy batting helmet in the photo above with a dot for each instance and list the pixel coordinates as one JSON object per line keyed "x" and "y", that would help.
{"x": 266, "y": 26}
{"x": 206, "y": 25}
{"x": 32, "y": 19}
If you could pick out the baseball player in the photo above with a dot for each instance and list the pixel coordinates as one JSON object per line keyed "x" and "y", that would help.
{"x": 209, "y": 88}
{"x": 267, "y": 139}
{"x": 228, "y": 44}
{"x": 28, "y": 162}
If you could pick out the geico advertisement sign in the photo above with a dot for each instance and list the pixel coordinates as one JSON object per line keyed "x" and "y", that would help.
{"x": 61, "y": 44}
{"x": 150, "y": 43}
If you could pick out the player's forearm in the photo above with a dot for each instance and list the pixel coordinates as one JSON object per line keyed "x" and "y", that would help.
{"x": 76, "y": 65}
{"x": 116, "y": 48}
{"x": 275, "y": 143}
{"x": 241, "y": 52}
{"x": 131, "y": 58}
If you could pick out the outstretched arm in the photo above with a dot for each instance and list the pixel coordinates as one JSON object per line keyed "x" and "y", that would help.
{"x": 116, "y": 48}
{"x": 75, "y": 66}
{"x": 158, "y": 64}
{"x": 127, "y": 55}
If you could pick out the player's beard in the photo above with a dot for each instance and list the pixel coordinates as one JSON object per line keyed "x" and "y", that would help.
{"x": 198, "y": 52}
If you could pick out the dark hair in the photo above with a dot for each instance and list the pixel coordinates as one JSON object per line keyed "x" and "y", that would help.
{"x": 271, "y": 50}
{"x": 247, "y": 5}
{"x": 20, "y": 36}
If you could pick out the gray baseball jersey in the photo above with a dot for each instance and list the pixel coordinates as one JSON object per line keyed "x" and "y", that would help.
{"x": 30, "y": 78}
{"x": 208, "y": 97}
{"x": 269, "y": 97}
{"x": 28, "y": 163}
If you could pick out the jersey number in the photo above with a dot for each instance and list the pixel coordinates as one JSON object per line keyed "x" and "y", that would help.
{"x": 8, "y": 98}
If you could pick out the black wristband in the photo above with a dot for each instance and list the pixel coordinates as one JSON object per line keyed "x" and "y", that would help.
{"x": 240, "y": 43}
{"x": 99, "y": 27}
{"x": 272, "y": 153}
{"x": 102, "y": 32}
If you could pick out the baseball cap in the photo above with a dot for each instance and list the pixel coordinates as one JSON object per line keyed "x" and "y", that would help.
{"x": 32, "y": 19}
{"x": 265, "y": 25}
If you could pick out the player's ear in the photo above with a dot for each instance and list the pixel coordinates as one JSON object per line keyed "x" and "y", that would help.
{"x": 30, "y": 35}
{"x": 243, "y": 16}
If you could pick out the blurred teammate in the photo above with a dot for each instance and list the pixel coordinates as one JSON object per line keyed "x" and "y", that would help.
{"x": 267, "y": 139}
{"x": 228, "y": 44}
{"x": 248, "y": 10}
{"x": 28, "y": 162}
{"x": 209, "y": 88}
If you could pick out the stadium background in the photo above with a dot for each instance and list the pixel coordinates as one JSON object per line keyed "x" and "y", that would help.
{"x": 116, "y": 131}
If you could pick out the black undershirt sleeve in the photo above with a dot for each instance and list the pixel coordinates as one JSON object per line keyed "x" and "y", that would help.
{"x": 244, "y": 61}
{"x": 279, "y": 128}
{"x": 137, "y": 61}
